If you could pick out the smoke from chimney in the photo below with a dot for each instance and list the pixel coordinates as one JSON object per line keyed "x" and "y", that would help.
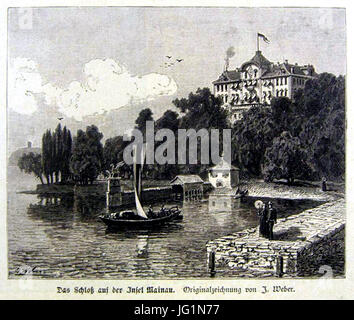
{"x": 229, "y": 54}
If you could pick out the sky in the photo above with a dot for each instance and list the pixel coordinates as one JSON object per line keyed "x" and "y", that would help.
{"x": 102, "y": 65}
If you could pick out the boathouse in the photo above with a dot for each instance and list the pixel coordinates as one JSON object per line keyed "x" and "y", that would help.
{"x": 224, "y": 175}
{"x": 187, "y": 186}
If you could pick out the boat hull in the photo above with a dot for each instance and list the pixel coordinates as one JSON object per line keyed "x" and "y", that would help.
{"x": 141, "y": 223}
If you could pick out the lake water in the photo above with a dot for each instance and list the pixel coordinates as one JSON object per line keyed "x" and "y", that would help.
{"x": 65, "y": 239}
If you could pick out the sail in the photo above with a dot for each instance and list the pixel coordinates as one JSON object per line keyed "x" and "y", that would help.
{"x": 139, "y": 207}
{"x": 137, "y": 168}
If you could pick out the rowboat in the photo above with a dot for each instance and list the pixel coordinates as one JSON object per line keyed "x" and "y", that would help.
{"x": 131, "y": 219}
{"x": 139, "y": 218}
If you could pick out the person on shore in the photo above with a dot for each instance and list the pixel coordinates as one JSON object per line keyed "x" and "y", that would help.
{"x": 263, "y": 228}
{"x": 324, "y": 184}
{"x": 272, "y": 219}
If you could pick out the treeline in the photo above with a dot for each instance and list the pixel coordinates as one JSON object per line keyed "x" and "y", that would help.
{"x": 303, "y": 138}
{"x": 299, "y": 139}
{"x": 66, "y": 160}
{"x": 201, "y": 110}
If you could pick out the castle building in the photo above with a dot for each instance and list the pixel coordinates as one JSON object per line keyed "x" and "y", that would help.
{"x": 257, "y": 81}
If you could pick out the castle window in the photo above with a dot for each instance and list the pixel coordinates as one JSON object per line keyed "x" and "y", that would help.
{"x": 225, "y": 98}
{"x": 255, "y": 73}
{"x": 277, "y": 93}
{"x": 277, "y": 82}
{"x": 286, "y": 92}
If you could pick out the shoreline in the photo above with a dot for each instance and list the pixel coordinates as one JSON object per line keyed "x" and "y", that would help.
{"x": 283, "y": 191}
{"x": 256, "y": 188}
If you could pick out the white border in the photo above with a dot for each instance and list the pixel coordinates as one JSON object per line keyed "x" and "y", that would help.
{"x": 305, "y": 289}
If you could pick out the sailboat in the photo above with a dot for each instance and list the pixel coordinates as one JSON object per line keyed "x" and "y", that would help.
{"x": 139, "y": 218}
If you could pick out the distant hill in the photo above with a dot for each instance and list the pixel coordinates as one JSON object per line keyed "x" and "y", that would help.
{"x": 16, "y": 155}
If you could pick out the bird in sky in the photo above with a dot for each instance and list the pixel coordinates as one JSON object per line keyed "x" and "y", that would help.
{"x": 179, "y": 60}
{"x": 169, "y": 57}
{"x": 61, "y": 118}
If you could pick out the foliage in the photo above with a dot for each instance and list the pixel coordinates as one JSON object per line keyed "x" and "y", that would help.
{"x": 87, "y": 157}
{"x": 286, "y": 159}
{"x": 56, "y": 154}
{"x": 316, "y": 116}
{"x": 31, "y": 163}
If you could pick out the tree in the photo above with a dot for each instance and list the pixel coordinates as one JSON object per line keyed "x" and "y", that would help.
{"x": 66, "y": 155}
{"x": 144, "y": 115}
{"x": 251, "y": 137}
{"x": 323, "y": 128}
{"x": 87, "y": 158}
{"x": 286, "y": 159}
{"x": 58, "y": 147}
{"x": 202, "y": 110}
{"x": 32, "y": 163}
{"x": 47, "y": 156}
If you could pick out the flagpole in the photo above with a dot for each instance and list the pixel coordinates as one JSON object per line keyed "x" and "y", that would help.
{"x": 257, "y": 42}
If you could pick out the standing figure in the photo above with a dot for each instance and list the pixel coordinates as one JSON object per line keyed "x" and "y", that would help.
{"x": 272, "y": 219}
{"x": 324, "y": 184}
{"x": 262, "y": 214}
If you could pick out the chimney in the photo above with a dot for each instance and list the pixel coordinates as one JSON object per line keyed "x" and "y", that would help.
{"x": 29, "y": 144}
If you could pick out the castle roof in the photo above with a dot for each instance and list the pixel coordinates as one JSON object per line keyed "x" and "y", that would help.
{"x": 229, "y": 76}
{"x": 269, "y": 69}
{"x": 258, "y": 59}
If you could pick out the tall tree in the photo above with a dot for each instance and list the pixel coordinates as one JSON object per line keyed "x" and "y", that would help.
{"x": 58, "y": 148}
{"x": 47, "y": 156}
{"x": 87, "y": 157}
{"x": 144, "y": 115}
{"x": 66, "y": 155}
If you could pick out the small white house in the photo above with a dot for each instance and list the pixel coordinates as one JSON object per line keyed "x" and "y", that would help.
{"x": 224, "y": 175}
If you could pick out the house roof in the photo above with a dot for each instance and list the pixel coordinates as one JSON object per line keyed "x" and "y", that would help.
{"x": 185, "y": 179}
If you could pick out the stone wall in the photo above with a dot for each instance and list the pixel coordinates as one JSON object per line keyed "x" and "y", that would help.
{"x": 303, "y": 243}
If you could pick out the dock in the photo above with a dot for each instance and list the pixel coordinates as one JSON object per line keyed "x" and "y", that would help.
{"x": 302, "y": 244}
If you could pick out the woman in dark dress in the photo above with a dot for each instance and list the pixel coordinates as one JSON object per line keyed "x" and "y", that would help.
{"x": 263, "y": 225}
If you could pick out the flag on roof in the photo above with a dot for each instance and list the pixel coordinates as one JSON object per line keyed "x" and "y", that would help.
{"x": 266, "y": 40}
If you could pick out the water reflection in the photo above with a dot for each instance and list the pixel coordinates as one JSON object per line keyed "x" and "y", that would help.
{"x": 63, "y": 237}
{"x": 142, "y": 246}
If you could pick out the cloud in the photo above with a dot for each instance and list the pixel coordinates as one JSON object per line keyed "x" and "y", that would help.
{"x": 106, "y": 85}
{"x": 26, "y": 86}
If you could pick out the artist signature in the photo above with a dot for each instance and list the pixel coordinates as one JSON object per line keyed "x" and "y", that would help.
{"x": 27, "y": 270}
